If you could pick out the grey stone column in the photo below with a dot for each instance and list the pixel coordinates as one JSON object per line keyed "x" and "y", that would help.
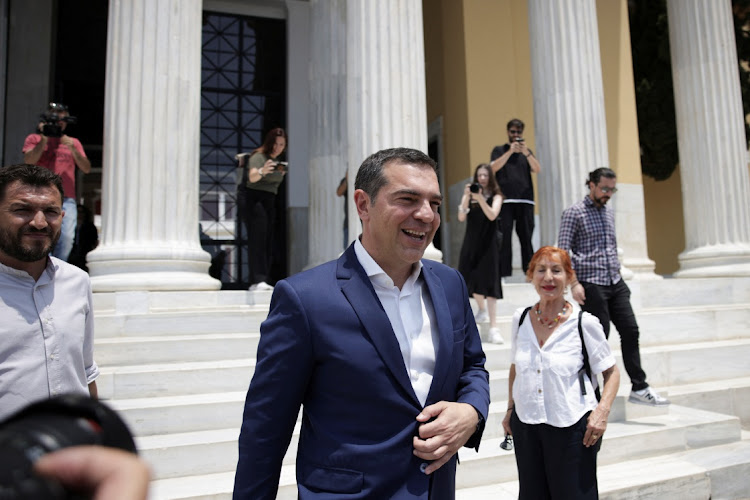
{"x": 385, "y": 90}
{"x": 367, "y": 93}
{"x": 150, "y": 207}
{"x": 711, "y": 139}
{"x": 570, "y": 124}
{"x": 328, "y": 151}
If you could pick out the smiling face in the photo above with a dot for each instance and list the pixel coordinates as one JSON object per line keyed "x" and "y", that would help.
{"x": 549, "y": 277}
{"x": 30, "y": 221}
{"x": 400, "y": 223}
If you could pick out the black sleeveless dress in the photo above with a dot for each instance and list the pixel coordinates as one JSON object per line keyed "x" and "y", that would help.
{"x": 479, "y": 262}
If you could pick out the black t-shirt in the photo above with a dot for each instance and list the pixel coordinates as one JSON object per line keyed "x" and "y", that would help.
{"x": 514, "y": 178}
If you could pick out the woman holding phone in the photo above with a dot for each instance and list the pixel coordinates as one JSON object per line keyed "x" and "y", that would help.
{"x": 256, "y": 199}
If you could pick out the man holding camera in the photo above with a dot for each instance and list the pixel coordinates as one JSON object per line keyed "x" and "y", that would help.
{"x": 513, "y": 164}
{"x": 51, "y": 148}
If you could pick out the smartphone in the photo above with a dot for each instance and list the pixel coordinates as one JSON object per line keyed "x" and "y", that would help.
{"x": 281, "y": 165}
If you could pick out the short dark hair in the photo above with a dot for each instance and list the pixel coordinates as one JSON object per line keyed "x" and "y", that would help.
{"x": 515, "y": 122}
{"x": 31, "y": 175}
{"x": 600, "y": 172}
{"x": 370, "y": 176}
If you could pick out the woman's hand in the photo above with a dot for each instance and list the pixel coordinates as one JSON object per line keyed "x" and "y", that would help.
{"x": 268, "y": 167}
{"x": 506, "y": 422}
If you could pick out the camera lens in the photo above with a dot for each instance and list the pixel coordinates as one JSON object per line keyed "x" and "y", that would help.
{"x": 48, "y": 426}
{"x": 474, "y": 188}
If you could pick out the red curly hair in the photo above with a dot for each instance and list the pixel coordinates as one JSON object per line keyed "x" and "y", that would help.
{"x": 552, "y": 253}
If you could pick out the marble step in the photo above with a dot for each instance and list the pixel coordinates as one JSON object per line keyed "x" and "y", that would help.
{"x": 728, "y": 396}
{"x": 245, "y": 320}
{"x": 211, "y": 451}
{"x": 635, "y": 440}
{"x": 175, "y": 379}
{"x": 131, "y": 350}
{"x": 715, "y": 472}
{"x": 179, "y": 414}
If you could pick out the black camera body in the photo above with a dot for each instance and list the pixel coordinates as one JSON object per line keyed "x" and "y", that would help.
{"x": 475, "y": 187}
{"x": 48, "y": 426}
{"x": 51, "y": 123}
{"x": 520, "y": 139}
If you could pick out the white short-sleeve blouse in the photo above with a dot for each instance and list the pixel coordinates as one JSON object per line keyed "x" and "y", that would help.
{"x": 546, "y": 389}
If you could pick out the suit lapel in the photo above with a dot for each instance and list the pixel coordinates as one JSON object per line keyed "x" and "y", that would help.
{"x": 445, "y": 331}
{"x": 361, "y": 295}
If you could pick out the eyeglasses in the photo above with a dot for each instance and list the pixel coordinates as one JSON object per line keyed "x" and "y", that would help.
{"x": 607, "y": 190}
{"x": 515, "y": 131}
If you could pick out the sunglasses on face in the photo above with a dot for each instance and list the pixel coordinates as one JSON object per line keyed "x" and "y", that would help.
{"x": 607, "y": 190}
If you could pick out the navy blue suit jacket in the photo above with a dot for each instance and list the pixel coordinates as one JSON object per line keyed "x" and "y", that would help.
{"x": 328, "y": 345}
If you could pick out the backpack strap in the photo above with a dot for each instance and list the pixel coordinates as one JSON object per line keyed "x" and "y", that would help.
{"x": 586, "y": 366}
{"x": 523, "y": 316}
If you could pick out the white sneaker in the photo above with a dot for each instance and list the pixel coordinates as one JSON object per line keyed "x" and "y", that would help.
{"x": 647, "y": 397}
{"x": 260, "y": 287}
{"x": 495, "y": 336}
{"x": 481, "y": 316}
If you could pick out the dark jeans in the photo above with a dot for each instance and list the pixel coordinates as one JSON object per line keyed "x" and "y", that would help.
{"x": 258, "y": 213}
{"x": 612, "y": 303}
{"x": 523, "y": 215}
{"x": 553, "y": 463}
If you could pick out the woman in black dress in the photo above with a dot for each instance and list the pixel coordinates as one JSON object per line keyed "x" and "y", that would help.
{"x": 480, "y": 253}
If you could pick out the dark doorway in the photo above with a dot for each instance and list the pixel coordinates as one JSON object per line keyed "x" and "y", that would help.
{"x": 243, "y": 95}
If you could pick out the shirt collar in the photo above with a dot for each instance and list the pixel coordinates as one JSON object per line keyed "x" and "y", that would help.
{"x": 48, "y": 270}
{"x": 377, "y": 275}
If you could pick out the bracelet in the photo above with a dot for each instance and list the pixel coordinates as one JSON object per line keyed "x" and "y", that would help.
{"x": 527, "y": 155}
{"x": 463, "y": 210}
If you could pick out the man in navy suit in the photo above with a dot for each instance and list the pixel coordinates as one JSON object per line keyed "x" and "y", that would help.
{"x": 381, "y": 350}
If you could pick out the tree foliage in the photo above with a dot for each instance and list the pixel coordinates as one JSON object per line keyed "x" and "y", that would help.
{"x": 652, "y": 71}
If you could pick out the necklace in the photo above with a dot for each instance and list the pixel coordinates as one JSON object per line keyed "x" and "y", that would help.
{"x": 550, "y": 323}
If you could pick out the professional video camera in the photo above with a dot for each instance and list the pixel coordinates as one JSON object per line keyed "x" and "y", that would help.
{"x": 51, "y": 119}
{"x": 48, "y": 426}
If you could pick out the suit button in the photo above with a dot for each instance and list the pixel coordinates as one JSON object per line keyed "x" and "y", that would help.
{"x": 422, "y": 466}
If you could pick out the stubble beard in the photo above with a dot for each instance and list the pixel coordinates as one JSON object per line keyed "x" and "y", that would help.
{"x": 12, "y": 246}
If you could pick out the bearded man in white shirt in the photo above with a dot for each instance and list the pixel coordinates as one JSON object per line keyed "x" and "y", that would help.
{"x": 45, "y": 303}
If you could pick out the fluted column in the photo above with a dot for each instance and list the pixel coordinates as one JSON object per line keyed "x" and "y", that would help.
{"x": 711, "y": 139}
{"x": 385, "y": 91}
{"x": 151, "y": 160}
{"x": 328, "y": 160}
{"x": 570, "y": 127}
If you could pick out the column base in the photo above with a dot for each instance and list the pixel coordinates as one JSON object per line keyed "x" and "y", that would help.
{"x": 639, "y": 270}
{"x": 125, "y": 268}
{"x": 714, "y": 261}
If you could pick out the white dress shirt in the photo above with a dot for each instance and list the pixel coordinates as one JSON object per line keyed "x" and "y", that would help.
{"x": 46, "y": 335}
{"x": 546, "y": 389}
{"x": 412, "y": 318}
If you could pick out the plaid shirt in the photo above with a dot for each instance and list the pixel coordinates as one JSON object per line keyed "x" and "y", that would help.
{"x": 587, "y": 232}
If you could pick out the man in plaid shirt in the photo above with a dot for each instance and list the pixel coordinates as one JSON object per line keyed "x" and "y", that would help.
{"x": 587, "y": 232}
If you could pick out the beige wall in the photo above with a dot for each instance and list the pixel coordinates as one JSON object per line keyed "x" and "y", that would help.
{"x": 479, "y": 77}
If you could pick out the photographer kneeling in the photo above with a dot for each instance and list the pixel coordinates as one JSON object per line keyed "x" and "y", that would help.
{"x": 51, "y": 148}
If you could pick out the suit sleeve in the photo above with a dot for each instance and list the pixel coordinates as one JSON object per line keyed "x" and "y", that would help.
{"x": 474, "y": 385}
{"x": 284, "y": 366}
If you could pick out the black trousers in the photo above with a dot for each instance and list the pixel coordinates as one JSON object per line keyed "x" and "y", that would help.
{"x": 523, "y": 216}
{"x": 258, "y": 212}
{"x": 553, "y": 463}
{"x": 612, "y": 303}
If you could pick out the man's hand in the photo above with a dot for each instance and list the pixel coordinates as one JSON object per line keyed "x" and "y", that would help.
{"x": 104, "y": 472}
{"x": 579, "y": 294}
{"x": 445, "y": 428}
{"x": 67, "y": 141}
{"x": 517, "y": 147}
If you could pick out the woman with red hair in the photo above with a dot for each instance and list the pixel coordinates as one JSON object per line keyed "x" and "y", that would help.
{"x": 553, "y": 413}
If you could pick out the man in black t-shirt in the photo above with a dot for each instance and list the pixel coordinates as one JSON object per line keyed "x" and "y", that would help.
{"x": 513, "y": 164}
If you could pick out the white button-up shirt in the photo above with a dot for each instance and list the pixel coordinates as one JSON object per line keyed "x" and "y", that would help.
{"x": 46, "y": 335}
{"x": 412, "y": 318}
{"x": 546, "y": 389}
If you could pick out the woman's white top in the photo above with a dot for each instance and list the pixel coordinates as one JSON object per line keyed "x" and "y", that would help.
{"x": 546, "y": 389}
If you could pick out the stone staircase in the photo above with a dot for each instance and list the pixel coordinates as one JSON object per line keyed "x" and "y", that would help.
{"x": 176, "y": 365}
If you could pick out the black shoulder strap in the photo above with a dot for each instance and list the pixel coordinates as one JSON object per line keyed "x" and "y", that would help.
{"x": 523, "y": 316}
{"x": 586, "y": 366}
